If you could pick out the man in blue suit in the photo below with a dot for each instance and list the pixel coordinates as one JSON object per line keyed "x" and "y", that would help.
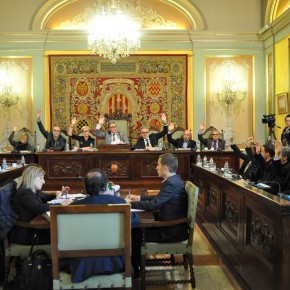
{"x": 97, "y": 184}
{"x": 185, "y": 142}
{"x": 169, "y": 204}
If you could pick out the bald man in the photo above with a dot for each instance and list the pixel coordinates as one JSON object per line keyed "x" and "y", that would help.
{"x": 185, "y": 142}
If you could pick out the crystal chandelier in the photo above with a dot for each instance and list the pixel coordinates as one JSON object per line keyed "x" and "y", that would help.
{"x": 112, "y": 34}
{"x": 8, "y": 96}
{"x": 230, "y": 93}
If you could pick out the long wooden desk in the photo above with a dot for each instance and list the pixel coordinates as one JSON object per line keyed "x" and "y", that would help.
{"x": 248, "y": 227}
{"x": 127, "y": 168}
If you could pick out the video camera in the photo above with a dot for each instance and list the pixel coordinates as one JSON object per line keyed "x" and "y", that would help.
{"x": 270, "y": 120}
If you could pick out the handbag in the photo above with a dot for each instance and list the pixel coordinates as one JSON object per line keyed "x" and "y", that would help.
{"x": 36, "y": 272}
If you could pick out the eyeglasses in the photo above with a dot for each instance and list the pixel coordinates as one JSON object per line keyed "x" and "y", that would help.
{"x": 85, "y": 130}
{"x": 56, "y": 130}
{"x": 214, "y": 134}
{"x": 113, "y": 127}
{"x": 145, "y": 132}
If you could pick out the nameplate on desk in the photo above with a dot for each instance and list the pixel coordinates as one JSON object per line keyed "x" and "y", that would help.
{"x": 184, "y": 149}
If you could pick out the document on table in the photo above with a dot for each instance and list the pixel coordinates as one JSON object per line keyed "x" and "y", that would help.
{"x": 262, "y": 185}
{"x": 136, "y": 210}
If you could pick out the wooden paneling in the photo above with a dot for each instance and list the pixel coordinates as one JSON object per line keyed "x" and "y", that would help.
{"x": 249, "y": 228}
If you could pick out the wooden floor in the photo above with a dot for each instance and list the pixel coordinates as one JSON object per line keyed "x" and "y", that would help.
{"x": 209, "y": 273}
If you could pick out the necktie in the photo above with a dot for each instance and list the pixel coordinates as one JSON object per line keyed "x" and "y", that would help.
{"x": 147, "y": 143}
{"x": 215, "y": 145}
{"x": 114, "y": 137}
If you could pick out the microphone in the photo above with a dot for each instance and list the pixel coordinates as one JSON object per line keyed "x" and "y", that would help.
{"x": 235, "y": 175}
{"x": 80, "y": 177}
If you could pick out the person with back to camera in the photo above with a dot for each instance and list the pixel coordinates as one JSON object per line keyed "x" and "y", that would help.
{"x": 147, "y": 141}
{"x": 54, "y": 141}
{"x": 213, "y": 143}
{"x": 285, "y": 136}
{"x": 185, "y": 142}
{"x": 85, "y": 141}
{"x": 169, "y": 204}
{"x": 112, "y": 135}
{"x": 29, "y": 202}
{"x": 22, "y": 144}
{"x": 97, "y": 188}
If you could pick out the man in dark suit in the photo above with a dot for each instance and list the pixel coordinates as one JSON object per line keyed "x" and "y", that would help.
{"x": 250, "y": 168}
{"x": 169, "y": 204}
{"x": 213, "y": 143}
{"x": 54, "y": 141}
{"x": 147, "y": 141}
{"x": 97, "y": 187}
{"x": 185, "y": 142}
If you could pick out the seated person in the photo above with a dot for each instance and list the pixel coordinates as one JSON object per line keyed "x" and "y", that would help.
{"x": 86, "y": 142}
{"x": 250, "y": 169}
{"x": 97, "y": 188}
{"x": 281, "y": 165}
{"x": 264, "y": 157}
{"x": 213, "y": 143}
{"x": 29, "y": 202}
{"x": 169, "y": 204}
{"x": 147, "y": 141}
{"x": 22, "y": 144}
{"x": 112, "y": 135}
{"x": 54, "y": 141}
{"x": 185, "y": 142}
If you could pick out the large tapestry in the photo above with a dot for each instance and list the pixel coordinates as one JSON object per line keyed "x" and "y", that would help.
{"x": 145, "y": 86}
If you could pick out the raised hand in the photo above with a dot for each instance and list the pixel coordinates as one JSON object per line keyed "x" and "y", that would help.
{"x": 73, "y": 120}
{"x": 258, "y": 147}
{"x": 14, "y": 129}
{"x": 278, "y": 147}
{"x": 101, "y": 120}
{"x": 201, "y": 126}
{"x": 171, "y": 126}
{"x": 164, "y": 118}
{"x": 38, "y": 115}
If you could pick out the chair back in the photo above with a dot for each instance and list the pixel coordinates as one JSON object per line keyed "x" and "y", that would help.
{"x": 177, "y": 133}
{"x": 123, "y": 122}
{"x": 90, "y": 231}
{"x": 192, "y": 196}
{"x": 207, "y": 134}
{"x": 31, "y": 137}
{"x": 8, "y": 216}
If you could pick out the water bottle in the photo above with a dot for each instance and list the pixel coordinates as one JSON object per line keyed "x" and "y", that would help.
{"x": 160, "y": 145}
{"x": 37, "y": 148}
{"x": 67, "y": 147}
{"x": 91, "y": 147}
{"x": 204, "y": 161}
{"x": 198, "y": 160}
{"x": 4, "y": 164}
{"x": 198, "y": 146}
{"x": 22, "y": 160}
{"x": 226, "y": 168}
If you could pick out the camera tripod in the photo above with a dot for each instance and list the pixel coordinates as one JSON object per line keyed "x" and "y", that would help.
{"x": 271, "y": 136}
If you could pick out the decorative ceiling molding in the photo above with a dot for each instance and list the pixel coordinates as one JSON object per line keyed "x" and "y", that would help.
{"x": 149, "y": 17}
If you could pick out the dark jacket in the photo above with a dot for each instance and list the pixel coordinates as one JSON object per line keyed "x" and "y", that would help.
{"x": 207, "y": 142}
{"x": 283, "y": 174}
{"x": 29, "y": 205}
{"x": 169, "y": 204}
{"x": 83, "y": 268}
{"x": 51, "y": 143}
{"x": 18, "y": 145}
{"x": 267, "y": 171}
{"x": 285, "y": 136}
{"x": 242, "y": 156}
{"x": 153, "y": 137}
{"x": 83, "y": 142}
{"x": 178, "y": 143}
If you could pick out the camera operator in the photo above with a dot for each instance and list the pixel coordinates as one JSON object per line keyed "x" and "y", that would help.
{"x": 285, "y": 137}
